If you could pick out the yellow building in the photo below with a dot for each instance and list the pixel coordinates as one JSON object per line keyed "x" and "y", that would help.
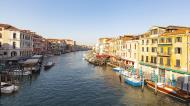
{"x": 173, "y": 53}
{"x": 148, "y": 50}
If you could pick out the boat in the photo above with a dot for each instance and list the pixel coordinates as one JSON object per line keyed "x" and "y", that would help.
{"x": 48, "y": 65}
{"x": 173, "y": 92}
{"x": 117, "y": 69}
{"x": 32, "y": 65}
{"x": 124, "y": 73}
{"x": 21, "y": 72}
{"x": 8, "y": 88}
{"x": 133, "y": 81}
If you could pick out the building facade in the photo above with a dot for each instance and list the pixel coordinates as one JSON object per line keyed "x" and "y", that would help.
{"x": 14, "y": 42}
{"x": 163, "y": 51}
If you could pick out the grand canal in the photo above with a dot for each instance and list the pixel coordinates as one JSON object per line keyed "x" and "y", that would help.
{"x": 74, "y": 82}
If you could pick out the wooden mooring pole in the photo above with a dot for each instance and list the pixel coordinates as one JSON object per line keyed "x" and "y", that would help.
{"x": 0, "y": 84}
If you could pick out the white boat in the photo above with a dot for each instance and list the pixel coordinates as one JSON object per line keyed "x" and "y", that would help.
{"x": 20, "y": 72}
{"x": 49, "y": 65}
{"x": 8, "y": 88}
{"x": 134, "y": 81}
{"x": 124, "y": 73}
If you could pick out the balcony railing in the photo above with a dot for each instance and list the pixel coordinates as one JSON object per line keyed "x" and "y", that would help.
{"x": 164, "y": 54}
{"x": 165, "y": 43}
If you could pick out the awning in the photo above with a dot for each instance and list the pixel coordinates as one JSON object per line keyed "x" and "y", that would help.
{"x": 37, "y": 56}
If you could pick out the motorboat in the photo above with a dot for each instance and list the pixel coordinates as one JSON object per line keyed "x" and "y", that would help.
{"x": 48, "y": 65}
{"x": 8, "y": 88}
{"x": 134, "y": 81}
{"x": 117, "y": 69}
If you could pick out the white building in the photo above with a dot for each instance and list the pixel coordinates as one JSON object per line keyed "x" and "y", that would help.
{"x": 14, "y": 42}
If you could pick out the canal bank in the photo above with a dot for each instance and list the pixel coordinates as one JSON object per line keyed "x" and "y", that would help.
{"x": 73, "y": 81}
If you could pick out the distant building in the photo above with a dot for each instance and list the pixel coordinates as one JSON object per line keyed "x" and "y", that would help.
{"x": 37, "y": 43}
{"x": 56, "y": 46}
{"x": 102, "y": 47}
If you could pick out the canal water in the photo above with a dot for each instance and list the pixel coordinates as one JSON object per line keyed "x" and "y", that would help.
{"x": 75, "y": 82}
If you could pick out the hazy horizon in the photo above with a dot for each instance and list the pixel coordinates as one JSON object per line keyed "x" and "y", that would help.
{"x": 85, "y": 20}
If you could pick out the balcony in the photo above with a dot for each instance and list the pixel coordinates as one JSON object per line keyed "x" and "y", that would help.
{"x": 165, "y": 54}
{"x": 164, "y": 43}
{"x": 148, "y": 64}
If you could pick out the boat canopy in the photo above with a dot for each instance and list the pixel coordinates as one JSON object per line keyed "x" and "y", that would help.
{"x": 31, "y": 62}
{"x": 37, "y": 56}
{"x": 117, "y": 69}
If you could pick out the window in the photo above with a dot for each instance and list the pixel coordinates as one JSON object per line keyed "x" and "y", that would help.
{"x": 14, "y": 45}
{"x": 177, "y": 63}
{"x": 135, "y": 47}
{"x": 161, "y": 61}
{"x": 0, "y": 44}
{"x": 161, "y": 50}
{"x": 142, "y": 58}
{"x": 14, "y": 35}
{"x": 168, "y": 62}
{"x": 154, "y": 31}
{"x": 147, "y": 42}
{"x": 147, "y": 49}
{"x": 169, "y": 40}
{"x": 151, "y": 61}
{"x": 0, "y": 29}
{"x": 154, "y": 41}
{"x": 146, "y": 58}
{"x": 142, "y": 42}
{"x": 143, "y": 49}
{"x": 155, "y": 60}
{"x": 169, "y": 50}
{"x": 21, "y": 36}
{"x": 178, "y": 39}
{"x": 161, "y": 40}
{"x": 5, "y": 53}
{"x": 0, "y": 35}
{"x": 178, "y": 50}
{"x": 153, "y": 49}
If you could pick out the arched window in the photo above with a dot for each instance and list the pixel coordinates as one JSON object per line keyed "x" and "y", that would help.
{"x": 13, "y": 53}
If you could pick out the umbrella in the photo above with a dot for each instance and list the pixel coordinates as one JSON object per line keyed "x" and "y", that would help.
{"x": 154, "y": 76}
{"x": 133, "y": 71}
{"x": 140, "y": 72}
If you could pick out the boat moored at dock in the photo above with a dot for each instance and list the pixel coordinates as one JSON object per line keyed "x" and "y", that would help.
{"x": 173, "y": 92}
{"x": 117, "y": 69}
{"x": 133, "y": 81}
{"x": 31, "y": 65}
{"x": 8, "y": 88}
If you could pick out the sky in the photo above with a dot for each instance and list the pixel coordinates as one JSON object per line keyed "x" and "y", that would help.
{"x": 87, "y": 20}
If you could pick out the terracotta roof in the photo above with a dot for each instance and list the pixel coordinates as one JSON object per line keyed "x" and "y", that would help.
{"x": 177, "y": 27}
{"x": 178, "y": 31}
{"x": 9, "y": 27}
